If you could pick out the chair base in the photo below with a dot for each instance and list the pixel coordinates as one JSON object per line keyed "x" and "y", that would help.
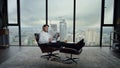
{"x": 49, "y": 55}
{"x": 72, "y": 59}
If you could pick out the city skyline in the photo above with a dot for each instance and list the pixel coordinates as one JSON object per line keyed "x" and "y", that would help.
{"x": 91, "y": 36}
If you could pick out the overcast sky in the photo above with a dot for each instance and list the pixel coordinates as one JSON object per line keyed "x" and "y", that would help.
{"x": 88, "y": 12}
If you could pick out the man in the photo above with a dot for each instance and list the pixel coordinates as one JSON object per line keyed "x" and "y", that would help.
{"x": 46, "y": 39}
{"x": 44, "y": 36}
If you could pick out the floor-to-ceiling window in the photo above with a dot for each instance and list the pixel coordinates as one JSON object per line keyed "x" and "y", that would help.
{"x": 13, "y": 22}
{"x": 13, "y": 35}
{"x": 32, "y": 19}
{"x": 109, "y": 7}
{"x": 108, "y": 22}
{"x": 88, "y": 20}
{"x": 107, "y": 33}
{"x": 60, "y": 18}
{"x": 12, "y": 11}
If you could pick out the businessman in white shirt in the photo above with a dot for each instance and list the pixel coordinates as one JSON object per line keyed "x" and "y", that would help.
{"x": 44, "y": 36}
{"x": 46, "y": 39}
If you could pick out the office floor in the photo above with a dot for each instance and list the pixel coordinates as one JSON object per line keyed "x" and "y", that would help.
{"x": 29, "y": 57}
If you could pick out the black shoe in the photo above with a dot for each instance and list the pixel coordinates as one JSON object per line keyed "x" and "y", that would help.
{"x": 80, "y": 42}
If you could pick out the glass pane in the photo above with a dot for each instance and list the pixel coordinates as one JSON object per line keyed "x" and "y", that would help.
{"x": 109, "y": 7}
{"x": 106, "y": 36}
{"x": 60, "y": 15}
{"x": 12, "y": 11}
{"x": 13, "y": 35}
{"x": 88, "y": 16}
{"x": 32, "y": 19}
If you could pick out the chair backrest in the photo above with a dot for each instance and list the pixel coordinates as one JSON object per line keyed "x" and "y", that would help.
{"x": 36, "y": 37}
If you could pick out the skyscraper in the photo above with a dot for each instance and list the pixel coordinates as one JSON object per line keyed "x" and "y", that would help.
{"x": 91, "y": 37}
{"x": 63, "y": 30}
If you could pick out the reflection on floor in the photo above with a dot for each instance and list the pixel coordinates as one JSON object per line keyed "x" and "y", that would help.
{"x": 29, "y": 57}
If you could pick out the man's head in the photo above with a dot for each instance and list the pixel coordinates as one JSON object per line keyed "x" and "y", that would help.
{"x": 45, "y": 27}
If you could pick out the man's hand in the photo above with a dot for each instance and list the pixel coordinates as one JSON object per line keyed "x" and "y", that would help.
{"x": 50, "y": 39}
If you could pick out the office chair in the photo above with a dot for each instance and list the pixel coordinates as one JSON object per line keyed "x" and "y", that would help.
{"x": 45, "y": 49}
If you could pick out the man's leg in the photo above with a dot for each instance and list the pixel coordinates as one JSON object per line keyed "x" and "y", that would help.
{"x": 72, "y": 45}
{"x": 55, "y": 45}
{"x": 63, "y": 44}
{"x": 59, "y": 44}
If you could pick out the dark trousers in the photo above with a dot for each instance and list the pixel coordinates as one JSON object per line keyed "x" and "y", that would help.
{"x": 59, "y": 44}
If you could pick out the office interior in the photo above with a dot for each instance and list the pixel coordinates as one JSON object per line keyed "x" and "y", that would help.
{"x": 95, "y": 21}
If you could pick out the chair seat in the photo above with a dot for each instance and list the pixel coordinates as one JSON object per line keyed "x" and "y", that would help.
{"x": 45, "y": 48}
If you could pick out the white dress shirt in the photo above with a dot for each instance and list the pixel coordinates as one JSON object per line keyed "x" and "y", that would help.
{"x": 44, "y": 37}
